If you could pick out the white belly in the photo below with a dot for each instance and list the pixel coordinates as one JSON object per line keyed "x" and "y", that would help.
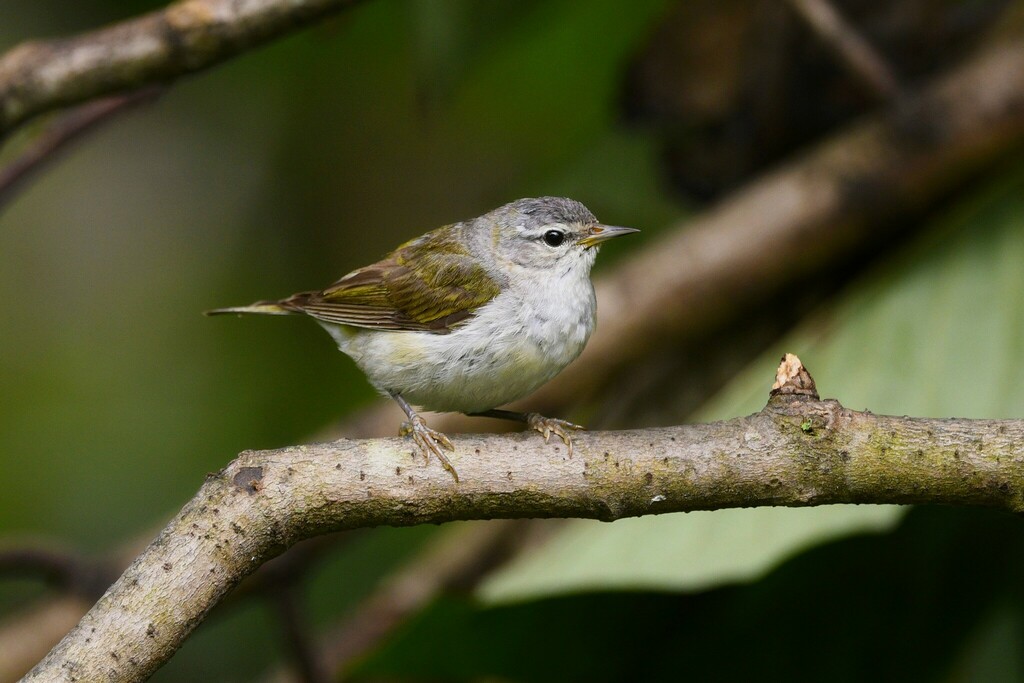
{"x": 508, "y": 349}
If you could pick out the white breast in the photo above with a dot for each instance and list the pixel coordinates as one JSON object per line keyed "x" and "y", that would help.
{"x": 509, "y": 348}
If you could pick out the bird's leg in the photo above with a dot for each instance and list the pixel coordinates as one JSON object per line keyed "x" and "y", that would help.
{"x": 426, "y": 439}
{"x": 545, "y": 425}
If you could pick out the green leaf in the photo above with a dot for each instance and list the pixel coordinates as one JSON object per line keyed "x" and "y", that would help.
{"x": 688, "y": 552}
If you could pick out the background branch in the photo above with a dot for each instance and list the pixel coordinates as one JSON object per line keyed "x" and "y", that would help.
{"x": 852, "y": 49}
{"x": 457, "y": 561}
{"x": 301, "y": 645}
{"x": 186, "y": 36}
{"x": 801, "y": 218}
{"x": 28, "y": 636}
{"x": 66, "y": 129}
{"x": 797, "y": 451}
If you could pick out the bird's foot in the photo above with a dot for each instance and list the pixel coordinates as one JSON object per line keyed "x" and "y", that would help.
{"x": 550, "y": 425}
{"x": 429, "y": 441}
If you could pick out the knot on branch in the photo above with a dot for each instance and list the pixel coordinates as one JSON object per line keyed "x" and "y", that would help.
{"x": 249, "y": 479}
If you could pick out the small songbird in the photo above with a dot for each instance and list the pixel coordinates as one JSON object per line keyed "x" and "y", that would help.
{"x": 470, "y": 316}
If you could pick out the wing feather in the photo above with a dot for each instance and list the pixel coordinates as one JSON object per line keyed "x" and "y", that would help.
{"x": 429, "y": 284}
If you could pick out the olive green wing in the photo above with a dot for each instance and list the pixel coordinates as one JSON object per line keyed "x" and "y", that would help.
{"x": 427, "y": 285}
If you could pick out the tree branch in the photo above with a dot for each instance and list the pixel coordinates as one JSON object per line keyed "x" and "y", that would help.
{"x": 26, "y": 636}
{"x": 852, "y": 49}
{"x": 798, "y": 451}
{"x": 69, "y": 127}
{"x": 70, "y": 571}
{"x": 184, "y": 37}
{"x": 457, "y": 561}
{"x": 295, "y": 625}
{"x": 35, "y": 631}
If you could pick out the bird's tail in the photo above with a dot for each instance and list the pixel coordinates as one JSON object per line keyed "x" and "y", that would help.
{"x": 258, "y": 308}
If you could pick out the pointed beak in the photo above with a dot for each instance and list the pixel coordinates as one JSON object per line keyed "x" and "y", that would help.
{"x": 600, "y": 233}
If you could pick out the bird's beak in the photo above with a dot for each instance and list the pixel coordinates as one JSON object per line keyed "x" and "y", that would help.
{"x": 599, "y": 233}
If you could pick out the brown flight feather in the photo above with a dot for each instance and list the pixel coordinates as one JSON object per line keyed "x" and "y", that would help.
{"x": 430, "y": 284}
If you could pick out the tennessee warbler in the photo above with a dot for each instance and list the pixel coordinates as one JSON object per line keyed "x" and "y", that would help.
{"x": 468, "y": 317}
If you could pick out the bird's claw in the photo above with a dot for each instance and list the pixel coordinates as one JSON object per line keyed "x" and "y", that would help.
{"x": 550, "y": 425}
{"x": 429, "y": 441}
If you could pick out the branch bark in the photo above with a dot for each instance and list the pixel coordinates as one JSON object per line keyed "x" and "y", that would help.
{"x": 184, "y": 37}
{"x": 798, "y": 451}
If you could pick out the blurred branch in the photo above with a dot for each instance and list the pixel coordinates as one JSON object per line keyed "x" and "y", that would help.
{"x": 29, "y": 636}
{"x": 185, "y": 37}
{"x": 291, "y": 566}
{"x": 800, "y": 219}
{"x": 26, "y": 636}
{"x": 76, "y": 574}
{"x": 301, "y": 644}
{"x": 280, "y": 580}
{"x": 798, "y": 451}
{"x": 66, "y": 129}
{"x": 456, "y": 561}
{"x": 852, "y": 49}
{"x": 52, "y": 565}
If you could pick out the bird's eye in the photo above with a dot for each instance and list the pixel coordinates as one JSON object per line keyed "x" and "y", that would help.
{"x": 554, "y": 238}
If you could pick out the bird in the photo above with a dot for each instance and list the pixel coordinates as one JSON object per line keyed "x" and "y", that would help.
{"x": 468, "y": 317}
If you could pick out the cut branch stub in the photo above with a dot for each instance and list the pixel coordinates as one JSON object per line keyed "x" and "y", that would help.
{"x": 792, "y": 378}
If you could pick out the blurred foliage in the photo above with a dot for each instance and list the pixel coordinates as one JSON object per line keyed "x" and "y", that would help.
{"x": 912, "y": 605}
{"x": 760, "y": 83}
{"x": 284, "y": 169}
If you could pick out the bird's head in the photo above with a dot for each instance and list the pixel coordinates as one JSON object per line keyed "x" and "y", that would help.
{"x": 548, "y": 234}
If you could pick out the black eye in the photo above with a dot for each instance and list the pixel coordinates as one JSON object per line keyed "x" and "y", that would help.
{"x": 554, "y": 238}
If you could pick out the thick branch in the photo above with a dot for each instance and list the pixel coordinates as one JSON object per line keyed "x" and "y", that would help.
{"x": 798, "y": 451}
{"x": 186, "y": 36}
{"x": 810, "y": 210}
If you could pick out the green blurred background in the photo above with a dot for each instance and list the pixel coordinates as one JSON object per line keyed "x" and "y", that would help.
{"x": 287, "y": 167}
